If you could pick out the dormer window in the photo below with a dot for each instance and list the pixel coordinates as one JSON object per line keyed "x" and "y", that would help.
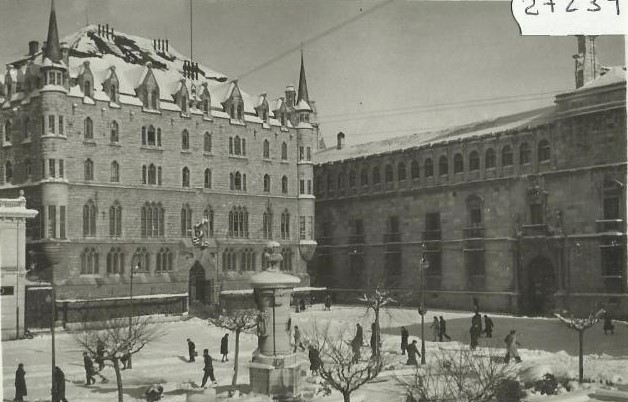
{"x": 206, "y": 106}
{"x": 283, "y": 119}
{"x": 113, "y": 93}
{"x": 87, "y": 88}
{"x": 240, "y": 112}
{"x": 232, "y": 112}
{"x": 154, "y": 98}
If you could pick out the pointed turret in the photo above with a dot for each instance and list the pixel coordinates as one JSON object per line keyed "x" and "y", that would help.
{"x": 53, "y": 49}
{"x": 302, "y": 84}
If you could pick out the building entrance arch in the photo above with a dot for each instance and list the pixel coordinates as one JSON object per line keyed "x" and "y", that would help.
{"x": 541, "y": 286}
{"x": 197, "y": 284}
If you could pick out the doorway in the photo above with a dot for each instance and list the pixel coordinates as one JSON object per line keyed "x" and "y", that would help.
{"x": 541, "y": 286}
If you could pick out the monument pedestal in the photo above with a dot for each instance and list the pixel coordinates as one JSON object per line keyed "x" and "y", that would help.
{"x": 276, "y": 375}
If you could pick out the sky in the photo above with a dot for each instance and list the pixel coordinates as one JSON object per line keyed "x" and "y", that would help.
{"x": 396, "y": 69}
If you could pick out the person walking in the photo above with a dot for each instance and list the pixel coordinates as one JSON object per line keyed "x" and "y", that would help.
{"x": 125, "y": 359}
{"x": 413, "y": 352}
{"x": 191, "y": 350}
{"x": 511, "y": 347}
{"x": 100, "y": 355}
{"x": 208, "y": 368}
{"x": 488, "y": 326}
{"x": 404, "y": 340}
{"x": 374, "y": 339}
{"x": 443, "y": 330}
{"x": 224, "y": 348}
{"x": 297, "y": 339}
{"x": 477, "y": 321}
{"x": 58, "y": 385}
{"x": 315, "y": 360}
{"x": 89, "y": 369}
{"x": 328, "y": 303}
{"x": 608, "y": 324}
{"x": 359, "y": 334}
{"x": 436, "y": 330}
{"x": 20, "y": 383}
{"x": 474, "y": 331}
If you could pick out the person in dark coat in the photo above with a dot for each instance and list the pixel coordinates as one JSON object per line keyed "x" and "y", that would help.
{"x": 302, "y": 305}
{"x": 20, "y": 383}
{"x": 154, "y": 393}
{"x": 315, "y": 359}
{"x": 413, "y": 352}
{"x": 443, "y": 330}
{"x": 404, "y": 340}
{"x": 208, "y": 368}
{"x": 58, "y": 386}
{"x": 328, "y": 303}
{"x": 608, "y": 324}
{"x": 297, "y": 339}
{"x": 488, "y": 326}
{"x": 477, "y": 321}
{"x": 474, "y": 331}
{"x": 359, "y": 334}
{"x": 100, "y": 355}
{"x": 191, "y": 350}
{"x": 373, "y": 339}
{"x": 125, "y": 359}
{"x": 89, "y": 369}
{"x": 224, "y": 348}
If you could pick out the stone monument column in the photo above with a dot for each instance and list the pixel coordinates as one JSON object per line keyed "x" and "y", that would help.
{"x": 274, "y": 370}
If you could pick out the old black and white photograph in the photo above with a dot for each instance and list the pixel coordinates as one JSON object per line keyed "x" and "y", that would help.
{"x": 312, "y": 200}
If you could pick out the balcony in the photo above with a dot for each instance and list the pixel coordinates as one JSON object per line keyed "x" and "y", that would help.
{"x": 539, "y": 229}
{"x": 357, "y": 239}
{"x": 473, "y": 232}
{"x": 392, "y": 237}
{"x": 610, "y": 225}
{"x": 430, "y": 235}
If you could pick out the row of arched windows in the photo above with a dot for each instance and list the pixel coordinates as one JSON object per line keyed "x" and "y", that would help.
{"x": 507, "y": 159}
{"x": 248, "y": 259}
{"x": 116, "y": 261}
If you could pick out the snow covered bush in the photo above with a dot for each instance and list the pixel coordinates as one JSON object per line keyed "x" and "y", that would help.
{"x": 510, "y": 390}
{"x": 548, "y": 385}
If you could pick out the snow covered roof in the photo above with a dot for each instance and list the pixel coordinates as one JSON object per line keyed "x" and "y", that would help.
{"x": 510, "y": 122}
{"x": 614, "y": 75}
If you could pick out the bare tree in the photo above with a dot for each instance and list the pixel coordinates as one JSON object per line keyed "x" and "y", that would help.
{"x": 375, "y": 300}
{"x": 459, "y": 374}
{"x": 117, "y": 340}
{"x": 581, "y": 325}
{"x": 237, "y": 321}
{"x": 338, "y": 369}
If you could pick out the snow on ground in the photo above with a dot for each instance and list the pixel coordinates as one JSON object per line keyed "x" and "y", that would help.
{"x": 165, "y": 360}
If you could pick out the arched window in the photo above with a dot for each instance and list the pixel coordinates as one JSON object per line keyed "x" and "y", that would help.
{"x": 143, "y": 135}
{"x": 8, "y": 172}
{"x": 507, "y": 159}
{"x": 27, "y": 129}
{"x": 236, "y": 145}
{"x": 240, "y": 111}
{"x": 284, "y": 151}
{"x": 208, "y": 215}
{"x": 458, "y": 163}
{"x": 154, "y": 100}
{"x": 229, "y": 262}
{"x": 88, "y": 170}
{"x": 388, "y": 173}
{"x": 87, "y": 88}
{"x": 115, "y": 137}
{"x": 248, "y": 260}
{"x": 474, "y": 212}
{"x": 237, "y": 182}
{"x": 443, "y": 166}
{"x": 489, "y": 159}
{"x": 144, "y": 174}
{"x": 524, "y": 153}
{"x": 163, "y": 260}
{"x": 141, "y": 259}
{"x": 7, "y": 131}
{"x": 207, "y": 142}
{"x": 158, "y": 137}
{"x": 285, "y": 225}
{"x": 267, "y": 224}
{"x": 89, "y": 219}
{"x": 152, "y": 174}
{"x": 341, "y": 181}
{"x": 115, "y": 261}
{"x": 238, "y": 222}
{"x": 401, "y": 171}
{"x": 364, "y": 177}
{"x": 544, "y": 151}
{"x": 266, "y": 183}
{"x": 230, "y": 145}
{"x": 284, "y": 185}
{"x": 243, "y": 147}
{"x": 266, "y": 153}
{"x": 428, "y": 167}
{"x": 151, "y": 136}
{"x": 152, "y": 220}
{"x": 376, "y": 178}
{"x": 185, "y": 177}
{"x": 115, "y": 172}
{"x": 186, "y": 221}
{"x": 185, "y": 140}
{"x": 286, "y": 262}
{"x": 89, "y": 261}
{"x": 115, "y": 220}
{"x": 474, "y": 161}
{"x": 414, "y": 170}
{"x": 89, "y": 129}
{"x": 207, "y": 183}
{"x": 352, "y": 179}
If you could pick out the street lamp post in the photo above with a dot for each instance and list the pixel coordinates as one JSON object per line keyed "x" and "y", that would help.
{"x": 129, "y": 364}
{"x": 423, "y": 266}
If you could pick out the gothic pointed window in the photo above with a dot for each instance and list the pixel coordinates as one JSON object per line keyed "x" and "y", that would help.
{"x": 89, "y": 261}
{"x": 207, "y": 142}
{"x": 207, "y": 182}
{"x": 230, "y": 145}
{"x": 154, "y": 100}
{"x": 285, "y": 225}
{"x": 143, "y": 135}
{"x": 151, "y": 136}
{"x": 89, "y": 129}
{"x": 284, "y": 185}
{"x": 237, "y": 182}
{"x": 186, "y": 221}
{"x": 267, "y": 224}
{"x": 266, "y": 152}
{"x": 267, "y": 183}
{"x": 88, "y": 170}
{"x": 115, "y": 172}
{"x": 544, "y": 151}
{"x": 114, "y": 137}
{"x": 89, "y": 219}
{"x": 163, "y": 260}
{"x": 208, "y": 215}
{"x": 185, "y": 140}
{"x": 115, "y": 261}
{"x": 185, "y": 177}
{"x": 115, "y": 220}
{"x": 284, "y": 151}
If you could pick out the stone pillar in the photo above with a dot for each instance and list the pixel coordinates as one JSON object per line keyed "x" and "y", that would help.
{"x": 274, "y": 370}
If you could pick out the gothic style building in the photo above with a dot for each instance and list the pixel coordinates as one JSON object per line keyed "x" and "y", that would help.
{"x": 523, "y": 213}
{"x": 151, "y": 171}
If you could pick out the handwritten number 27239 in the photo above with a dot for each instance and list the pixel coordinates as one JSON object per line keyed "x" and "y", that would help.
{"x": 531, "y": 9}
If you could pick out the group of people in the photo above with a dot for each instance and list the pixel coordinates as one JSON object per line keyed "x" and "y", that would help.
{"x": 439, "y": 329}
{"x": 476, "y": 330}
{"x": 208, "y": 361}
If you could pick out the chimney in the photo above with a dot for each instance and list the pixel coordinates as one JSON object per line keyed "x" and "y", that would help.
{"x": 340, "y": 140}
{"x": 107, "y": 31}
{"x": 112, "y": 34}
{"x": 586, "y": 69}
{"x": 33, "y": 47}
{"x": 166, "y": 45}
{"x": 99, "y": 30}
{"x": 155, "y": 44}
{"x": 196, "y": 71}
{"x": 290, "y": 96}
{"x": 185, "y": 68}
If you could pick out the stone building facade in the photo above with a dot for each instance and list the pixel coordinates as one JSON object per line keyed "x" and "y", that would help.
{"x": 524, "y": 213}
{"x": 138, "y": 158}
